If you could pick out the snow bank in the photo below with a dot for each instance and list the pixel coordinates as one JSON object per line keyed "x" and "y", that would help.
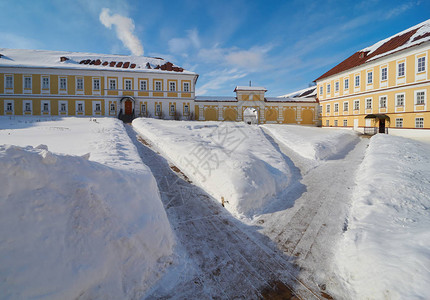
{"x": 385, "y": 253}
{"x": 228, "y": 159}
{"x": 72, "y": 228}
{"x": 312, "y": 142}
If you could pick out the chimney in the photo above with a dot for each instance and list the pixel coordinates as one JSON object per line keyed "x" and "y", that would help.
{"x": 250, "y": 83}
{"x": 63, "y": 58}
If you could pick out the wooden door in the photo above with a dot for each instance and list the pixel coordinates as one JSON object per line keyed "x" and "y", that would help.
{"x": 381, "y": 125}
{"x": 128, "y": 107}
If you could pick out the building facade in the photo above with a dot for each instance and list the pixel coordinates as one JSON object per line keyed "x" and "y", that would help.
{"x": 382, "y": 88}
{"x": 251, "y": 103}
{"x": 53, "y": 83}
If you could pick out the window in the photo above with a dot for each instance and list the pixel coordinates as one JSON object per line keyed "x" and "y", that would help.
{"x": 356, "y": 104}
{"x": 321, "y": 90}
{"x": 45, "y": 107}
{"x": 336, "y": 107}
{"x": 401, "y": 69}
{"x": 400, "y": 99}
{"x": 63, "y": 83}
{"x": 45, "y": 83}
{"x": 335, "y": 123}
{"x": 63, "y": 107}
{"x": 186, "y": 109}
{"x": 369, "y": 103}
{"x": 420, "y": 97}
{"x": 421, "y": 64}
{"x": 143, "y": 107}
{"x": 172, "y": 86}
{"x": 345, "y": 106}
{"x": 143, "y": 85}
{"x": 96, "y": 84}
{"x": 157, "y": 109}
{"x": 79, "y": 84}
{"x": 328, "y": 88}
{"x": 172, "y": 108}
{"x": 327, "y": 123}
{"x": 399, "y": 122}
{"x": 127, "y": 84}
{"x": 357, "y": 80}
{"x": 112, "y": 107}
{"x": 384, "y": 74}
{"x": 112, "y": 84}
{"x": 9, "y": 82}
{"x": 187, "y": 87}
{"x": 80, "y": 107}
{"x": 27, "y": 82}
{"x": 27, "y": 107}
{"x": 345, "y": 123}
{"x": 419, "y": 122}
{"x": 346, "y": 83}
{"x": 336, "y": 86}
{"x": 98, "y": 107}
{"x": 158, "y": 85}
{"x": 369, "y": 77}
{"x": 9, "y": 107}
{"x": 383, "y": 102}
{"x": 328, "y": 108}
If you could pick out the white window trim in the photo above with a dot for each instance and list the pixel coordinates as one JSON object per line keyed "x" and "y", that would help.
{"x": 395, "y": 123}
{"x": 96, "y": 91}
{"x": 27, "y": 90}
{"x": 170, "y": 86}
{"x": 63, "y": 91}
{"x": 367, "y": 77}
{"x": 344, "y": 85}
{"x": 155, "y": 86}
{"x": 10, "y": 90}
{"x": 404, "y": 99}
{"x": 416, "y": 106}
{"x": 356, "y": 101}
{"x": 386, "y": 103}
{"x": 336, "y": 87}
{"x": 357, "y": 87}
{"x": 334, "y": 108}
{"x": 416, "y": 122}
{"x": 140, "y": 85}
{"x": 81, "y": 113}
{"x": 371, "y": 103}
{"x": 27, "y": 112}
{"x": 45, "y": 90}
{"x": 383, "y": 83}
{"x": 97, "y": 112}
{"x": 79, "y": 91}
{"x": 401, "y": 79}
{"x": 63, "y": 112}
{"x": 183, "y": 87}
{"x": 12, "y": 111}
{"x": 42, "y": 107}
{"x": 345, "y": 112}
{"x": 116, "y": 84}
{"x": 421, "y": 75}
{"x": 125, "y": 84}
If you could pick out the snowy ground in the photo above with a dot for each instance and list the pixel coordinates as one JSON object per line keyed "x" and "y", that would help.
{"x": 229, "y": 160}
{"x": 385, "y": 252}
{"x": 72, "y": 227}
{"x": 317, "y": 232}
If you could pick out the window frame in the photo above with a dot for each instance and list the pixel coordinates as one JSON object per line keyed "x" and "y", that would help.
{"x": 419, "y": 121}
{"x": 403, "y": 69}
{"x": 423, "y": 65}
{"x": 48, "y": 83}
{"x": 346, "y": 84}
{"x": 397, "y": 99}
{"x": 327, "y": 108}
{"x": 128, "y": 84}
{"x": 346, "y": 106}
{"x": 96, "y": 87}
{"x": 336, "y": 86}
{"x": 79, "y": 84}
{"x": 158, "y": 86}
{"x": 28, "y": 82}
{"x": 399, "y": 121}
{"x": 112, "y": 84}
{"x": 143, "y": 85}
{"x": 172, "y": 84}
{"x": 367, "y": 103}
{"x": 370, "y": 76}
{"x": 357, "y": 81}
{"x": 336, "y": 107}
{"x": 62, "y": 83}
{"x": 384, "y": 78}
{"x": 424, "y": 97}
{"x": 357, "y": 104}
{"x": 386, "y": 100}
{"x": 6, "y": 76}
{"x": 187, "y": 89}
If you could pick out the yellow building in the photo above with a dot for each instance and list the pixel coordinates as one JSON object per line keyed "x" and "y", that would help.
{"x": 252, "y": 106}
{"x": 382, "y": 88}
{"x": 54, "y": 83}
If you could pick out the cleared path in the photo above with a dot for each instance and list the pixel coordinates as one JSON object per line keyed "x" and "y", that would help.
{"x": 219, "y": 257}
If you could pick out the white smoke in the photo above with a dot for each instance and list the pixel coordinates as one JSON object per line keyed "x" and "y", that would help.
{"x": 124, "y": 30}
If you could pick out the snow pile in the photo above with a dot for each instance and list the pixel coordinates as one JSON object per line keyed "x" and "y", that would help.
{"x": 312, "y": 142}
{"x": 385, "y": 253}
{"x": 230, "y": 160}
{"x": 71, "y": 228}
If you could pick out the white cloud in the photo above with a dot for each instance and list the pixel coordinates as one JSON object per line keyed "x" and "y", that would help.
{"x": 218, "y": 80}
{"x": 182, "y": 45}
{"x": 124, "y": 30}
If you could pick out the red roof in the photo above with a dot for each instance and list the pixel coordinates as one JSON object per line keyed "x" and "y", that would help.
{"x": 385, "y": 48}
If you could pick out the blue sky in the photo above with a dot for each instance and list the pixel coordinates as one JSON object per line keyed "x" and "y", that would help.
{"x": 281, "y": 45}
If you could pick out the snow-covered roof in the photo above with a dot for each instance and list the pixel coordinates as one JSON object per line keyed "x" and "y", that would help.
{"x": 290, "y": 99}
{"x": 215, "y": 99}
{"x": 410, "y": 37}
{"x": 307, "y": 92}
{"x": 250, "y": 88}
{"x": 87, "y": 61}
